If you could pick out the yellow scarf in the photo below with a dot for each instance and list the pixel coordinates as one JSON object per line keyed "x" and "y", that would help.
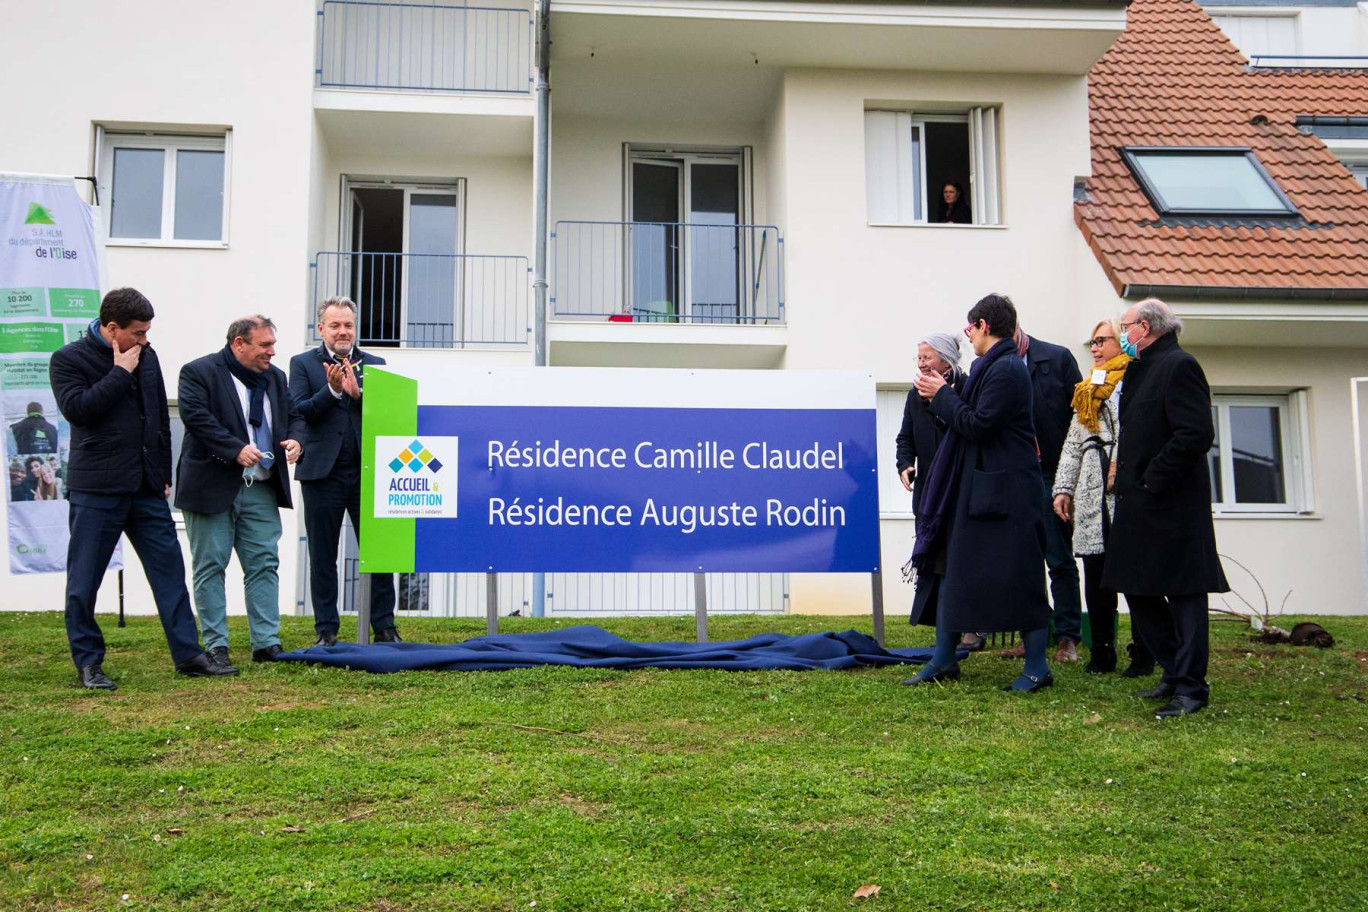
{"x": 1089, "y": 396}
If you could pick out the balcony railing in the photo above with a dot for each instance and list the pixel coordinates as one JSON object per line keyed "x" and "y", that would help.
{"x": 668, "y": 272}
{"x": 1307, "y": 62}
{"x": 423, "y": 47}
{"x": 429, "y": 300}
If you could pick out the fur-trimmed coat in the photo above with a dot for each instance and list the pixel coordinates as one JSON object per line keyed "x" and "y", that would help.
{"x": 1082, "y": 475}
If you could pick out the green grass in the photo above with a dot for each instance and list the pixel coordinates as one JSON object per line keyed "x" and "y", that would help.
{"x": 306, "y": 788}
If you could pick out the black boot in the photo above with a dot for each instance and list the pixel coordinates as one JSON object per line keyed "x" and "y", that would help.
{"x": 1141, "y": 662}
{"x": 1102, "y": 659}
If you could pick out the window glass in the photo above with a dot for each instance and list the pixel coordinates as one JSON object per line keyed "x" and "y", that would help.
{"x": 177, "y": 441}
{"x": 1256, "y": 448}
{"x": 137, "y": 194}
{"x": 199, "y": 195}
{"x": 1214, "y": 458}
{"x": 1207, "y": 182}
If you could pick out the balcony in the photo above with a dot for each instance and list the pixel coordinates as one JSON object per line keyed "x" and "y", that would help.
{"x": 687, "y": 295}
{"x": 427, "y": 300}
{"x": 407, "y": 47}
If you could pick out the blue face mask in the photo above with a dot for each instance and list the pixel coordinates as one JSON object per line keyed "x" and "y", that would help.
{"x": 1128, "y": 347}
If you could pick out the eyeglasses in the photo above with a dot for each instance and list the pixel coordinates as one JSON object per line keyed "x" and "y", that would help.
{"x": 1100, "y": 341}
{"x": 1126, "y": 326}
{"x": 974, "y": 325}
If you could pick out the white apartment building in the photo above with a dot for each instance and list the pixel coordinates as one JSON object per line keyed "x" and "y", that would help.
{"x": 732, "y": 183}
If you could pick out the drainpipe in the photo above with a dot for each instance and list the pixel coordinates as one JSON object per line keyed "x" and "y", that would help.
{"x": 541, "y": 167}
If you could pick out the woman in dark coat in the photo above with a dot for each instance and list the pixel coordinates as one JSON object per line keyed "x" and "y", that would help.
{"x": 918, "y": 440}
{"x": 983, "y": 504}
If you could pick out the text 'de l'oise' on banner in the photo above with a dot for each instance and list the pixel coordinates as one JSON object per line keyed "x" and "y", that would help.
{"x": 49, "y": 293}
{"x": 619, "y": 470}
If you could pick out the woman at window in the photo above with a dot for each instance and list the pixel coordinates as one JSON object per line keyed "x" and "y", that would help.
{"x": 952, "y": 206}
{"x": 1083, "y": 493}
{"x": 983, "y": 505}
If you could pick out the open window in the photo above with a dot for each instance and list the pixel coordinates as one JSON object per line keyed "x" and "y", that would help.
{"x": 1213, "y": 182}
{"x": 932, "y": 168}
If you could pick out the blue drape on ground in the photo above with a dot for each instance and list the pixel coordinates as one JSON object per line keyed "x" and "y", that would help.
{"x": 588, "y": 646}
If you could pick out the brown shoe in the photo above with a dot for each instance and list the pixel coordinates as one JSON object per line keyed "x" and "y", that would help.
{"x": 1016, "y": 652}
{"x": 1067, "y": 651}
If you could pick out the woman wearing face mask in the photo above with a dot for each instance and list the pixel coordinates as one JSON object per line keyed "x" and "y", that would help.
{"x": 918, "y": 440}
{"x": 982, "y": 507}
{"x": 1083, "y": 493}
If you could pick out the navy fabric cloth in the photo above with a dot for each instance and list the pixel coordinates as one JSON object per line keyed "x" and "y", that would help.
{"x": 587, "y": 646}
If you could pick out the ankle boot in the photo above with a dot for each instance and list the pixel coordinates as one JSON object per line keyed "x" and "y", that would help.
{"x": 1102, "y": 659}
{"x": 1141, "y": 663}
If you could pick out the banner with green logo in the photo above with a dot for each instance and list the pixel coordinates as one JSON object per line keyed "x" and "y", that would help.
{"x": 49, "y": 293}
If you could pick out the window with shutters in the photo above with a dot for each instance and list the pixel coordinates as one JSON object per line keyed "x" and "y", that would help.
{"x": 933, "y": 168}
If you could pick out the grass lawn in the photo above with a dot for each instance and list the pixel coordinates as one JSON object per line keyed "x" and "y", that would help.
{"x": 560, "y": 789}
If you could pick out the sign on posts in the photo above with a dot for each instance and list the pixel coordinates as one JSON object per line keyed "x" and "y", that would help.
{"x": 512, "y": 469}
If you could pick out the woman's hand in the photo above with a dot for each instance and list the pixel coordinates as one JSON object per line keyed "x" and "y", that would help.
{"x": 1063, "y": 507}
{"x": 928, "y": 384}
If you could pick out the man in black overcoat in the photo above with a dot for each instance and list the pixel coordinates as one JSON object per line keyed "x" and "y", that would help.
{"x": 34, "y": 433}
{"x": 326, "y": 386}
{"x": 1162, "y": 550}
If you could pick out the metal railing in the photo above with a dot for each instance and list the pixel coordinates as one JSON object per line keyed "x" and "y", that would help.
{"x": 428, "y": 300}
{"x": 668, "y": 272}
{"x": 426, "y": 47}
{"x": 1308, "y": 61}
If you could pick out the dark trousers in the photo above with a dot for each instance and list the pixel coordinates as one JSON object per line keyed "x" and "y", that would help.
{"x": 1175, "y": 630}
{"x": 96, "y": 521}
{"x": 1066, "y": 613}
{"x": 325, "y": 502}
{"x": 1102, "y": 603}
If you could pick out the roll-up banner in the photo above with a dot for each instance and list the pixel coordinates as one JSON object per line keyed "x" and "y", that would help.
{"x": 618, "y": 470}
{"x": 49, "y": 293}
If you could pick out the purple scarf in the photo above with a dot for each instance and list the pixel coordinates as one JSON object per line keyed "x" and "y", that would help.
{"x": 938, "y": 498}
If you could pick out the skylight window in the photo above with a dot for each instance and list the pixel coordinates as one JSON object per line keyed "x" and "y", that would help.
{"x": 1187, "y": 181}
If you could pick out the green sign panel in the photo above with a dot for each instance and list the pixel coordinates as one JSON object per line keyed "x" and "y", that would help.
{"x": 74, "y": 302}
{"x": 22, "y": 302}
{"x": 20, "y": 338}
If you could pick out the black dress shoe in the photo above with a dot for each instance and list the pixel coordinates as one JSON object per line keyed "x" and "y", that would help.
{"x": 201, "y": 666}
{"x": 1102, "y": 660}
{"x": 326, "y": 639}
{"x": 950, "y": 672}
{"x": 1047, "y": 680}
{"x": 388, "y": 635}
{"x": 93, "y": 678}
{"x": 1179, "y": 706}
{"x": 1137, "y": 668}
{"x": 1162, "y": 692}
{"x": 267, "y": 654}
{"x": 219, "y": 656}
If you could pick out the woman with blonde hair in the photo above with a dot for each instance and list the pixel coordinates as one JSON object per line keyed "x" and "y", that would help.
{"x": 1083, "y": 492}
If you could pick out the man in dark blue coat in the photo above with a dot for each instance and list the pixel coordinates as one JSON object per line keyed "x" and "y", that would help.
{"x": 109, "y": 386}
{"x": 1162, "y": 551}
{"x": 241, "y": 431}
{"x": 326, "y": 385}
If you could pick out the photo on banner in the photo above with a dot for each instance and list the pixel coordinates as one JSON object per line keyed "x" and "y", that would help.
{"x": 49, "y": 294}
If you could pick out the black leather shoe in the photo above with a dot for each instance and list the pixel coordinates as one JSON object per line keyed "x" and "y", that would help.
{"x": 388, "y": 635}
{"x": 326, "y": 639}
{"x": 1162, "y": 692}
{"x": 201, "y": 666}
{"x": 950, "y": 672}
{"x": 93, "y": 678}
{"x": 1137, "y": 669}
{"x": 1035, "y": 683}
{"x": 1180, "y": 706}
{"x": 1102, "y": 660}
{"x": 219, "y": 656}
{"x": 267, "y": 654}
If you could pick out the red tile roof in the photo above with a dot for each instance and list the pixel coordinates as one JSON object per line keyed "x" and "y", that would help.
{"x": 1173, "y": 79}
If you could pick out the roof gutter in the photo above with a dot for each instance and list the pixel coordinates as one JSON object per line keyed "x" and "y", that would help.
{"x": 1247, "y": 293}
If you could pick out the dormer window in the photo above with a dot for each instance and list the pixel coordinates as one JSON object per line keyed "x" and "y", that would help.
{"x": 1195, "y": 181}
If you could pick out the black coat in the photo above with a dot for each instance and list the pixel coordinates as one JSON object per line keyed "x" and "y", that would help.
{"x": 325, "y": 414}
{"x": 918, "y": 438}
{"x": 120, "y": 423}
{"x": 36, "y": 435}
{"x": 1163, "y": 541}
{"x": 208, "y": 476}
{"x": 995, "y": 546}
{"x": 1054, "y": 374}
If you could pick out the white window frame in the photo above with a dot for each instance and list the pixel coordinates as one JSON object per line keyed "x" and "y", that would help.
{"x": 1294, "y": 412}
{"x": 1353, "y": 154}
{"x": 889, "y": 402}
{"x": 169, "y": 143}
{"x": 985, "y": 151}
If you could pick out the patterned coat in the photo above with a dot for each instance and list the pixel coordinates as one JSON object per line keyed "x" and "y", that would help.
{"x": 1082, "y": 475}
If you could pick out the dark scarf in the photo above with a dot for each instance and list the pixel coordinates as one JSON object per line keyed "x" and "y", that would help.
{"x": 255, "y": 383}
{"x": 938, "y": 496}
